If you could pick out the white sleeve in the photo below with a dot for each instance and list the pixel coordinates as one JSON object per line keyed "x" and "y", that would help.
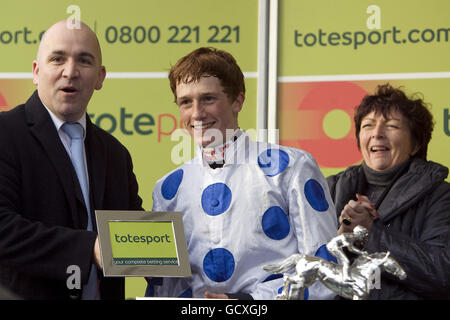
{"x": 312, "y": 214}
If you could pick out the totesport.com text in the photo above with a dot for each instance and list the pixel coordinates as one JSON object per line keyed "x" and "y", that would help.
{"x": 374, "y": 37}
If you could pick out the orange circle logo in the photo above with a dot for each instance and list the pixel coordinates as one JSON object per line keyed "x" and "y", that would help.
{"x": 318, "y": 118}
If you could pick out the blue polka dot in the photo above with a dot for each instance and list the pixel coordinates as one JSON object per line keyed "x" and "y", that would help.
{"x": 171, "y": 184}
{"x": 273, "y": 161}
{"x": 315, "y": 195}
{"x": 322, "y": 252}
{"x": 186, "y": 294}
{"x": 273, "y": 277}
{"x": 275, "y": 223}
{"x": 218, "y": 264}
{"x": 216, "y": 199}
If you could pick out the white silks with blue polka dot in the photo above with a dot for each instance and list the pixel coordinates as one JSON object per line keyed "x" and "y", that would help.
{"x": 267, "y": 203}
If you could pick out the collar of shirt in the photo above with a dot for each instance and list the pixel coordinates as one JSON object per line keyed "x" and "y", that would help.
{"x": 65, "y": 139}
{"x": 216, "y": 157}
{"x": 58, "y": 122}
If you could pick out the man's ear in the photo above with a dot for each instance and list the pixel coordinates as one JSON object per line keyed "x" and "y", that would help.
{"x": 35, "y": 72}
{"x": 238, "y": 103}
{"x": 101, "y": 78}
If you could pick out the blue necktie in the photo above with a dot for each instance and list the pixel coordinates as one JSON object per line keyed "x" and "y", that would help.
{"x": 76, "y": 132}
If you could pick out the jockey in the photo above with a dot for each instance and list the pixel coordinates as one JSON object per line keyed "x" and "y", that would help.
{"x": 347, "y": 240}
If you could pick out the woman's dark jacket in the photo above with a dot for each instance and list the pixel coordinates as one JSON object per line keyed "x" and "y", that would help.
{"x": 414, "y": 225}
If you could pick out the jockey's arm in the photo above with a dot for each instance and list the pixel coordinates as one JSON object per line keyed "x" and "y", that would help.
{"x": 336, "y": 245}
{"x": 352, "y": 248}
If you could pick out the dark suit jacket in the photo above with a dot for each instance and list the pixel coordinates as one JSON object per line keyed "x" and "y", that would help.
{"x": 42, "y": 213}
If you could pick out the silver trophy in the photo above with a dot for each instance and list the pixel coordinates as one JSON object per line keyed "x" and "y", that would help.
{"x": 351, "y": 281}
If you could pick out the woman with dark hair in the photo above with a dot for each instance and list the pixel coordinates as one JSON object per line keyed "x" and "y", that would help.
{"x": 399, "y": 196}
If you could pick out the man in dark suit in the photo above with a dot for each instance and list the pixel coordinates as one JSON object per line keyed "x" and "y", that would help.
{"x": 46, "y": 227}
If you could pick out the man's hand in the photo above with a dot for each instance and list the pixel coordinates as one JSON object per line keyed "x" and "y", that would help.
{"x": 97, "y": 256}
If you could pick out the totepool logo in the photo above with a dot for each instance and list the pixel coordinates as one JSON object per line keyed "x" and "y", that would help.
{"x": 318, "y": 118}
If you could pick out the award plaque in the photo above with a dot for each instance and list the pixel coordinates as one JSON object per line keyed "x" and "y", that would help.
{"x": 142, "y": 244}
